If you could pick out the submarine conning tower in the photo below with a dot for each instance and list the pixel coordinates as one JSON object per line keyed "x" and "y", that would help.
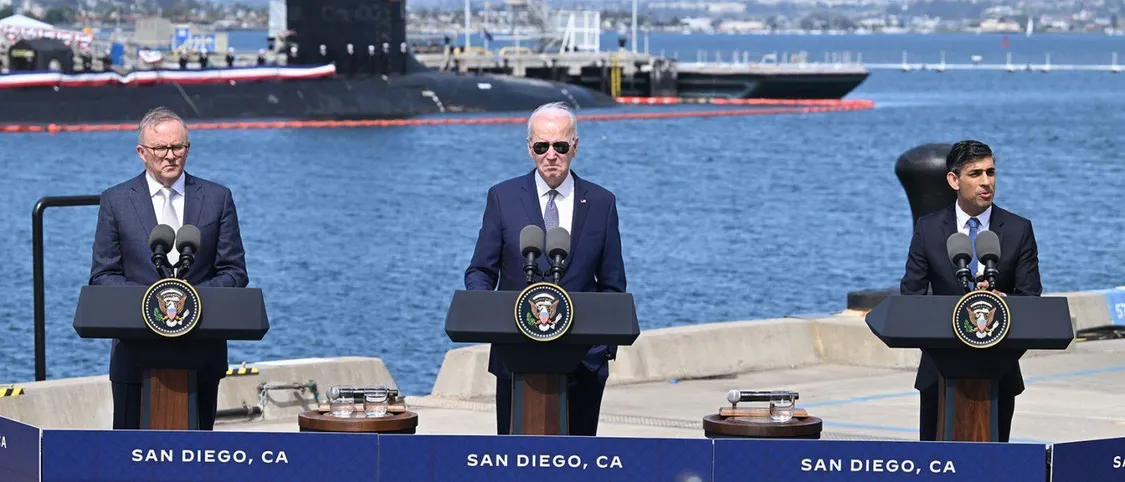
{"x": 376, "y": 30}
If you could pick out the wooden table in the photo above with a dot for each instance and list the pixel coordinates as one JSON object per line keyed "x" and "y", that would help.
{"x": 314, "y": 421}
{"x": 717, "y": 426}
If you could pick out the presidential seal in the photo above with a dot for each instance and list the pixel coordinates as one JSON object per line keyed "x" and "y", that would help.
{"x": 981, "y": 319}
{"x": 544, "y": 312}
{"x": 171, "y": 307}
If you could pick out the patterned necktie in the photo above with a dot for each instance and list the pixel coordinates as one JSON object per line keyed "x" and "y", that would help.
{"x": 974, "y": 228}
{"x": 551, "y": 217}
{"x": 169, "y": 217}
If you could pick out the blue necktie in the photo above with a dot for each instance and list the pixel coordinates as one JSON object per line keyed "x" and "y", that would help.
{"x": 551, "y": 217}
{"x": 974, "y": 228}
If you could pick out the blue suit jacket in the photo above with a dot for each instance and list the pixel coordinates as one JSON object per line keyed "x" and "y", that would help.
{"x": 121, "y": 256}
{"x": 928, "y": 270}
{"x": 594, "y": 263}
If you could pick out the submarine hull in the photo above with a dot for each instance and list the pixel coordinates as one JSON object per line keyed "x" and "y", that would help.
{"x": 397, "y": 97}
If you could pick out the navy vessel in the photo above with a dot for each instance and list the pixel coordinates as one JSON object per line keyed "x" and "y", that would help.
{"x": 566, "y": 45}
{"x": 350, "y": 60}
{"x": 315, "y": 83}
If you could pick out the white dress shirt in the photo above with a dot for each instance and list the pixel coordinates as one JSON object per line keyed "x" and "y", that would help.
{"x": 154, "y": 188}
{"x": 963, "y": 227}
{"x": 564, "y": 201}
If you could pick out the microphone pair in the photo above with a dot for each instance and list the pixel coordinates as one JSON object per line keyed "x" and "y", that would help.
{"x": 532, "y": 247}
{"x": 960, "y": 251}
{"x": 186, "y": 241}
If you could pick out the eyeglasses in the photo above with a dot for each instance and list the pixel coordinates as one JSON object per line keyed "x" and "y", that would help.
{"x": 561, "y": 147}
{"x": 162, "y": 151}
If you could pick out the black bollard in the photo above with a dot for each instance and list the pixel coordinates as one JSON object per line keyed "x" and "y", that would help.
{"x": 921, "y": 171}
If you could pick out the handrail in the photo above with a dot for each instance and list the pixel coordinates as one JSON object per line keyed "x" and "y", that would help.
{"x": 37, "y": 270}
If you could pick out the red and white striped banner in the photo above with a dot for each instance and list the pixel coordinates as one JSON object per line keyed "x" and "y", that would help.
{"x": 14, "y": 34}
{"x": 146, "y": 77}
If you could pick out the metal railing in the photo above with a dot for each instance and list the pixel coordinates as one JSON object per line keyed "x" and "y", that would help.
{"x": 37, "y": 270}
{"x": 773, "y": 58}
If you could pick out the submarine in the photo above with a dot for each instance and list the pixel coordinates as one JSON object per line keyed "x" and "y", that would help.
{"x": 383, "y": 81}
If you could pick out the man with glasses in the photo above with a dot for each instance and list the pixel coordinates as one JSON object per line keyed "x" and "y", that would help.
{"x": 550, "y": 196}
{"x": 165, "y": 194}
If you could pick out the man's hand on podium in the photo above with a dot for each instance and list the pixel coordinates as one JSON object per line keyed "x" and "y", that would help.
{"x": 984, "y": 285}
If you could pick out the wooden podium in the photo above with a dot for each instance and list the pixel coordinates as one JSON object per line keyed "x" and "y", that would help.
{"x": 539, "y": 368}
{"x": 168, "y": 398}
{"x": 969, "y": 377}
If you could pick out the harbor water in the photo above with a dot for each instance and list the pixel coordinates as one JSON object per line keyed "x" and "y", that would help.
{"x": 359, "y": 237}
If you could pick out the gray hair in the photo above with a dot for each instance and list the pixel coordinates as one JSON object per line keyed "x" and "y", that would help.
{"x": 554, "y": 107}
{"x": 154, "y": 118}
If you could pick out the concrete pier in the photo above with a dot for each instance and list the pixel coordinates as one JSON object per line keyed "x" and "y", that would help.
{"x": 631, "y": 64}
{"x": 665, "y": 383}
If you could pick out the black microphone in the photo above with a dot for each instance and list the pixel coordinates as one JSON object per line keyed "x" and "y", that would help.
{"x": 160, "y": 242}
{"x": 988, "y": 252}
{"x": 531, "y": 247}
{"x": 960, "y": 252}
{"x": 187, "y": 242}
{"x": 735, "y": 396}
{"x": 558, "y": 248}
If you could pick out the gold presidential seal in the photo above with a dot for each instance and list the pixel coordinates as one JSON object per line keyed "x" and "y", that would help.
{"x": 544, "y": 312}
{"x": 981, "y": 319}
{"x": 171, "y": 307}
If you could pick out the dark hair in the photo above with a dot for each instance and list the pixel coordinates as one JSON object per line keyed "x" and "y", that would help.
{"x": 965, "y": 152}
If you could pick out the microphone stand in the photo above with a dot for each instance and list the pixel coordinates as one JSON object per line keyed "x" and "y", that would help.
{"x": 530, "y": 265}
{"x": 990, "y": 275}
{"x": 965, "y": 276}
{"x": 556, "y": 272}
{"x": 182, "y": 268}
{"x": 531, "y": 271}
{"x": 160, "y": 260}
{"x": 184, "y": 264}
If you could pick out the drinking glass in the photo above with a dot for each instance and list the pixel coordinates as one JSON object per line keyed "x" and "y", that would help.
{"x": 341, "y": 401}
{"x": 781, "y": 407}
{"x": 375, "y": 401}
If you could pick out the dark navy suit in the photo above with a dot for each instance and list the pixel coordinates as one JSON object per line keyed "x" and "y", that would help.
{"x": 122, "y": 256}
{"x": 594, "y": 265}
{"x": 928, "y": 266}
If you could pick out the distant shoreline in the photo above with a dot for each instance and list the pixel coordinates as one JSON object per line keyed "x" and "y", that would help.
{"x": 456, "y": 32}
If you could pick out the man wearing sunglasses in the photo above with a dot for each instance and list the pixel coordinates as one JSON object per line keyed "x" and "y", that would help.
{"x": 550, "y": 196}
{"x": 165, "y": 194}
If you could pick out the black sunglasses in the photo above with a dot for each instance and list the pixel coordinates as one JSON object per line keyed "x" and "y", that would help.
{"x": 561, "y": 147}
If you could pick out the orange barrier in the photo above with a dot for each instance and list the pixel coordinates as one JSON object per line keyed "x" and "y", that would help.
{"x": 784, "y": 106}
{"x": 727, "y": 101}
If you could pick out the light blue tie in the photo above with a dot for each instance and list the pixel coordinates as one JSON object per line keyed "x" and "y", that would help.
{"x": 551, "y": 217}
{"x": 974, "y": 228}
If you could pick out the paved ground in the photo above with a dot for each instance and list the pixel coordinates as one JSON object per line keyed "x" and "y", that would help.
{"x": 1070, "y": 396}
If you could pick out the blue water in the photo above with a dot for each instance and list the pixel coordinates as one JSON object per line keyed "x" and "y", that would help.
{"x": 360, "y": 236}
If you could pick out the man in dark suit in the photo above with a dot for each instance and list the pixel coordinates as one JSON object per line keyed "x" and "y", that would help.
{"x": 165, "y": 194}
{"x": 971, "y": 172}
{"x": 551, "y": 196}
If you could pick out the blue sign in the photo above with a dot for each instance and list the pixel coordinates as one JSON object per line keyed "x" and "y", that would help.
{"x": 117, "y": 53}
{"x": 801, "y": 460}
{"x": 180, "y": 37}
{"x": 19, "y": 451}
{"x": 419, "y": 458}
{"x": 104, "y": 455}
{"x": 1116, "y": 301}
{"x": 201, "y": 42}
{"x": 1088, "y": 461}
